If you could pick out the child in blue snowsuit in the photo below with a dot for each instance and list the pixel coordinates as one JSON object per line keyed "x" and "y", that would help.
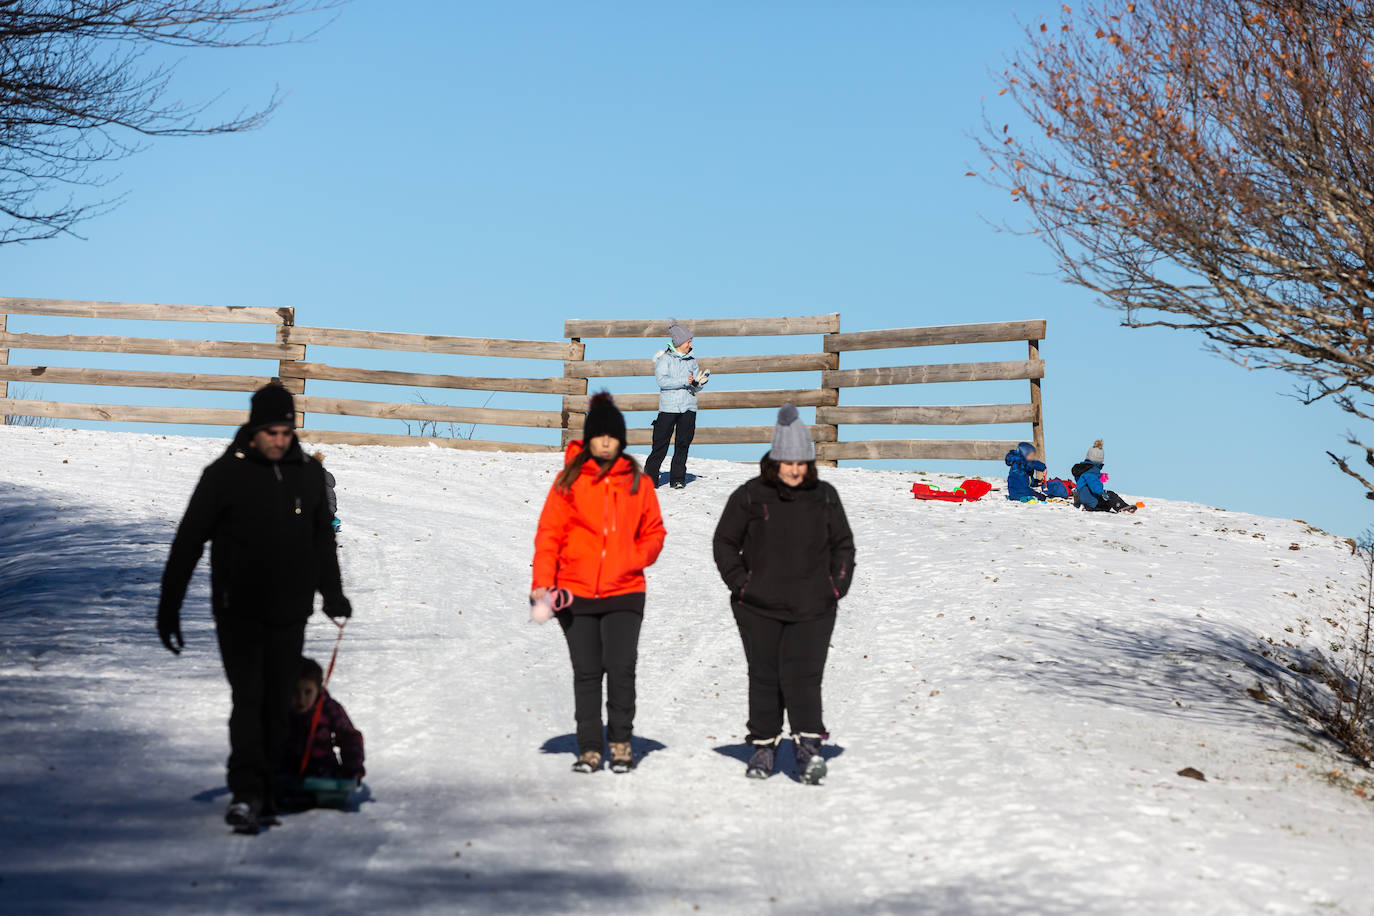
{"x": 1021, "y": 477}
{"x": 1092, "y": 494}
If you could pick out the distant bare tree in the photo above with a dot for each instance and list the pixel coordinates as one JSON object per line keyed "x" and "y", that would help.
{"x": 24, "y": 393}
{"x": 81, "y": 86}
{"x": 1210, "y": 166}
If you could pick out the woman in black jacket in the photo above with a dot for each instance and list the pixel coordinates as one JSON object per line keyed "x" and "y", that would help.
{"x": 784, "y": 549}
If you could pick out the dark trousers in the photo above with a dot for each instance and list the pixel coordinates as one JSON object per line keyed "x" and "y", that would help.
{"x": 603, "y": 645}
{"x": 263, "y": 664}
{"x": 1109, "y": 501}
{"x": 786, "y": 664}
{"x": 685, "y": 426}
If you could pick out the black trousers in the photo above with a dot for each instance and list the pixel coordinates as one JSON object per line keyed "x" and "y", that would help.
{"x": 1109, "y": 501}
{"x": 603, "y": 645}
{"x": 786, "y": 664}
{"x": 685, "y": 426}
{"x": 263, "y": 664}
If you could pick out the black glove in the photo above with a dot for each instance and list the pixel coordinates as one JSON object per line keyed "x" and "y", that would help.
{"x": 169, "y": 629}
{"x": 338, "y": 608}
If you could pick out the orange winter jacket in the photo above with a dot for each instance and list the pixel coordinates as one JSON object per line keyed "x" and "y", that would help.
{"x": 597, "y": 539}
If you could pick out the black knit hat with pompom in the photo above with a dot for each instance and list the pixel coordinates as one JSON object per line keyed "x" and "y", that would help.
{"x": 604, "y": 419}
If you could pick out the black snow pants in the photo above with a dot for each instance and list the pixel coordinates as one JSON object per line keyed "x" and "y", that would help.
{"x": 1110, "y": 501}
{"x": 263, "y": 663}
{"x": 685, "y": 426}
{"x": 603, "y": 645}
{"x": 786, "y": 664}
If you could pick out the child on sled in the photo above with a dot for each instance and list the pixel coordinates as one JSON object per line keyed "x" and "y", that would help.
{"x": 1092, "y": 494}
{"x": 335, "y": 749}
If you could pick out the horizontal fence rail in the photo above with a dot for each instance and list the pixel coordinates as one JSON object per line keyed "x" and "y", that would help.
{"x": 321, "y": 372}
{"x": 431, "y": 343}
{"x": 153, "y": 346}
{"x": 725, "y": 365}
{"x": 125, "y": 378}
{"x": 954, "y": 415}
{"x": 1014, "y": 370}
{"x": 705, "y": 327}
{"x": 147, "y": 312}
{"x": 948, "y": 335}
{"x": 566, "y": 386}
{"x": 929, "y": 449}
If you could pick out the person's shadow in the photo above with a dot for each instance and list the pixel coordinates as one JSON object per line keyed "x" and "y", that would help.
{"x": 567, "y": 744}
{"x": 663, "y": 476}
{"x": 786, "y": 761}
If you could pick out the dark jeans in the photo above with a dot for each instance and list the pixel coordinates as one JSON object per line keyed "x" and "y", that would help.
{"x": 263, "y": 664}
{"x": 603, "y": 645}
{"x": 685, "y": 425}
{"x": 786, "y": 663}
{"x": 1109, "y": 501}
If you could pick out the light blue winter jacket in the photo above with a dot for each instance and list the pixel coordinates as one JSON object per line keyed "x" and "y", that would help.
{"x": 672, "y": 370}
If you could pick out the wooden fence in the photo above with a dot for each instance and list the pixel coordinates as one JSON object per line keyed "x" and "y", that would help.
{"x": 291, "y": 342}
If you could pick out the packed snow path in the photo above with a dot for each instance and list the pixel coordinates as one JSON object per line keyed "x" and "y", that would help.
{"x": 1011, "y": 692}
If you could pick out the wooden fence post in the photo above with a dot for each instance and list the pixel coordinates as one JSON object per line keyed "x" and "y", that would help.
{"x": 570, "y": 370}
{"x": 1037, "y": 412}
{"x": 292, "y": 377}
{"x": 4, "y": 359}
{"x": 828, "y": 348}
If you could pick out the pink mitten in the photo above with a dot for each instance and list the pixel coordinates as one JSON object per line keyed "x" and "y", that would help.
{"x": 554, "y": 600}
{"x": 1104, "y": 477}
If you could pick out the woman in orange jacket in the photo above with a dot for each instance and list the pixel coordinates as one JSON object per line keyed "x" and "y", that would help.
{"x": 599, "y": 529}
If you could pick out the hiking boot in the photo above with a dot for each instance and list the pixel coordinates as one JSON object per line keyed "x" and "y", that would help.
{"x": 678, "y": 485}
{"x": 810, "y": 764}
{"x": 622, "y": 759}
{"x": 242, "y": 814}
{"x": 765, "y": 757}
{"x": 587, "y": 762}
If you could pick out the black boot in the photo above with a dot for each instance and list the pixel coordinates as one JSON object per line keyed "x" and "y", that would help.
{"x": 810, "y": 764}
{"x": 764, "y": 758}
{"x": 243, "y": 814}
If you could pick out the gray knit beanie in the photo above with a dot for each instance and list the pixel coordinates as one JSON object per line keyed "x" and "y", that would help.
{"x": 678, "y": 333}
{"x": 791, "y": 438}
{"x": 1095, "y": 453}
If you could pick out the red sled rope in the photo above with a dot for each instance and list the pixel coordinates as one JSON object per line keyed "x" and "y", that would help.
{"x": 319, "y": 702}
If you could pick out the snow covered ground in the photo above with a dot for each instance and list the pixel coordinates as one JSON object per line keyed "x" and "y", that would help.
{"x": 1012, "y": 690}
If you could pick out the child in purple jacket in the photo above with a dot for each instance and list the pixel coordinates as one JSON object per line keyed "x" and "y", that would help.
{"x": 336, "y": 750}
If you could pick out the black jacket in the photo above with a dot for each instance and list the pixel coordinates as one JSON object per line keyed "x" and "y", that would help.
{"x": 272, "y": 541}
{"x": 783, "y": 552}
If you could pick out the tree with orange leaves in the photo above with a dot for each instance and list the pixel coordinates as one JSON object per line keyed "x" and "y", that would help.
{"x": 1210, "y": 166}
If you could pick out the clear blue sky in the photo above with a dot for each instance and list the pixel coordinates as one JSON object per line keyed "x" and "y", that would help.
{"x": 492, "y": 169}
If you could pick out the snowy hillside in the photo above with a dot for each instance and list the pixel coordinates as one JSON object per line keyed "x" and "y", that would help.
{"x": 1012, "y": 691}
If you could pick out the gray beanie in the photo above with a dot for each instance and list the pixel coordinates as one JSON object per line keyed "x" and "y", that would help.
{"x": 678, "y": 333}
{"x": 1095, "y": 454}
{"x": 791, "y": 438}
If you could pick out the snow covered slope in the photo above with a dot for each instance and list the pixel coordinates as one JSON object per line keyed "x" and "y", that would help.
{"x": 1012, "y": 690}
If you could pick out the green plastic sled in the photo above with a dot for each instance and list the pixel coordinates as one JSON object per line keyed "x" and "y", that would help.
{"x": 329, "y": 793}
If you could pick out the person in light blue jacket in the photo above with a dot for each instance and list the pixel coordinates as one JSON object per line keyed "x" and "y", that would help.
{"x": 679, "y": 379}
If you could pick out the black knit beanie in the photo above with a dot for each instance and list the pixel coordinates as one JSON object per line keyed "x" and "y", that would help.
{"x": 604, "y": 419}
{"x": 272, "y": 404}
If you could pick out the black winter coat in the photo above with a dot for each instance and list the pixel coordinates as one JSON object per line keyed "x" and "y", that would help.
{"x": 272, "y": 542}
{"x": 785, "y": 553}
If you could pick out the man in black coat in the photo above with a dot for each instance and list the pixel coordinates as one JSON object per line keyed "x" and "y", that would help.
{"x": 262, "y": 506}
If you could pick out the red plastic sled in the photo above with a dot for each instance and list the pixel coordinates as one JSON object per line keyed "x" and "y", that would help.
{"x": 969, "y": 491}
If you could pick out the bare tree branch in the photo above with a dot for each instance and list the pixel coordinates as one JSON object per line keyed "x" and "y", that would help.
{"x": 1210, "y": 167}
{"x": 80, "y": 89}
